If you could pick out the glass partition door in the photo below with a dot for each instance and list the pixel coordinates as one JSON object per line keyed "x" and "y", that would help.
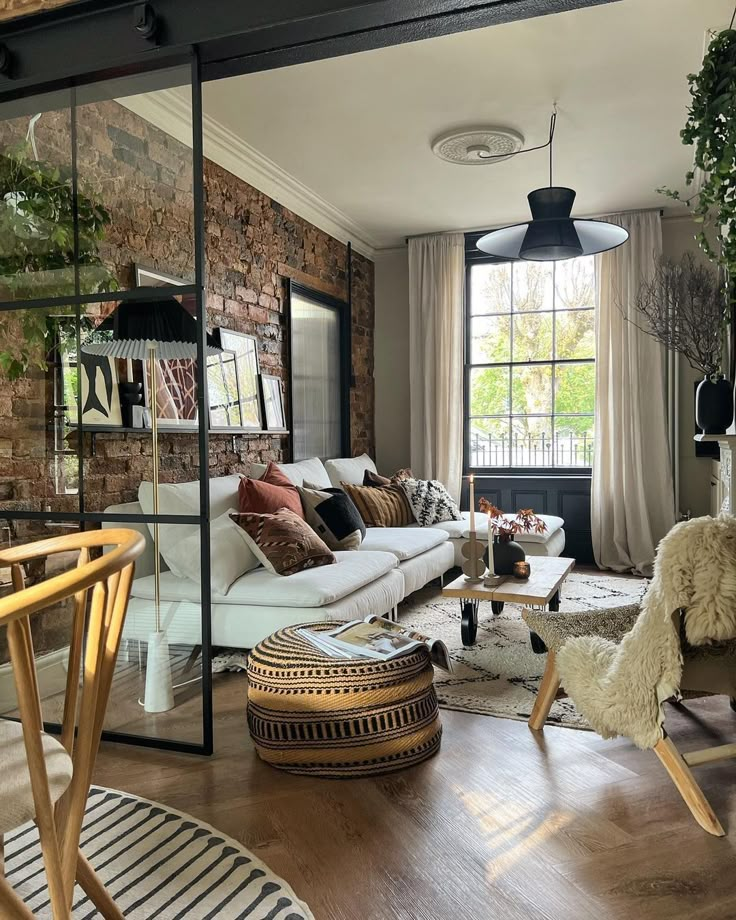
{"x": 103, "y": 419}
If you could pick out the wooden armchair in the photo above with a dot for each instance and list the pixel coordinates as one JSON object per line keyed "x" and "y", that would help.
{"x": 42, "y": 778}
{"x": 712, "y": 666}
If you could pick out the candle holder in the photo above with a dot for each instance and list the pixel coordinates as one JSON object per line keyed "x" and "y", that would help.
{"x": 522, "y": 570}
{"x": 474, "y": 568}
{"x": 494, "y": 581}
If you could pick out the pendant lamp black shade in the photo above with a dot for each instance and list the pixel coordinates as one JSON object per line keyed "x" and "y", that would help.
{"x": 552, "y": 234}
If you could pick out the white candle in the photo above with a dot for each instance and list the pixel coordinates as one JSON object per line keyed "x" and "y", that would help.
{"x": 491, "y": 566}
{"x": 472, "y": 503}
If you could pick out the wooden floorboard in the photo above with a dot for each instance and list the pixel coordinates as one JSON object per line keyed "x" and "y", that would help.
{"x": 501, "y": 824}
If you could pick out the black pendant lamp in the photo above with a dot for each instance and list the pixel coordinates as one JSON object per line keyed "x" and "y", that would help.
{"x": 552, "y": 234}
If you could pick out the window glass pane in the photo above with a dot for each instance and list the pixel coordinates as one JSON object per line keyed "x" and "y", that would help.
{"x": 490, "y": 341}
{"x": 316, "y": 379}
{"x": 533, "y": 289}
{"x": 574, "y": 441}
{"x": 489, "y": 442}
{"x": 490, "y": 288}
{"x": 533, "y": 337}
{"x": 36, "y": 199}
{"x": 531, "y": 390}
{"x": 531, "y": 441}
{"x": 575, "y": 334}
{"x": 489, "y": 391}
{"x": 575, "y": 283}
{"x": 575, "y": 388}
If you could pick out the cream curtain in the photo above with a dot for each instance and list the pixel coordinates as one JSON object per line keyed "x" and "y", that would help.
{"x": 632, "y": 496}
{"x": 436, "y": 283}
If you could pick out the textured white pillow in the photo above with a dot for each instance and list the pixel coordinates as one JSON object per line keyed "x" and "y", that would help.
{"x": 230, "y": 554}
{"x": 183, "y": 498}
{"x": 349, "y": 469}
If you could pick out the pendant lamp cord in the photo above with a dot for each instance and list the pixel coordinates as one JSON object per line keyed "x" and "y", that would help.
{"x": 547, "y": 143}
{"x": 733, "y": 17}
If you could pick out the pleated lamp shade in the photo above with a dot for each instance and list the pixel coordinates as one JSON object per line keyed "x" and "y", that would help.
{"x": 137, "y": 324}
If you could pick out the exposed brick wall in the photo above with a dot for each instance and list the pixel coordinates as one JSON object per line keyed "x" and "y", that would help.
{"x": 253, "y": 245}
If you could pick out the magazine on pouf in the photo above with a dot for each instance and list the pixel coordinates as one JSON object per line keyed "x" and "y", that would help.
{"x": 375, "y": 637}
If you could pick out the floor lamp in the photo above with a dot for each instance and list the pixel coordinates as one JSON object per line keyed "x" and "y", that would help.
{"x": 152, "y": 331}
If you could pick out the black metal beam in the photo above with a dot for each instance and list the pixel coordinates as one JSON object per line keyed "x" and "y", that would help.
{"x": 93, "y": 36}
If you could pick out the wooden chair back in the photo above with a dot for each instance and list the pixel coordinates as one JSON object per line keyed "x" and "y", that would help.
{"x": 100, "y": 588}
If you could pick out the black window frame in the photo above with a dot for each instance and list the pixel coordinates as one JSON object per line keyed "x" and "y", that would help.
{"x": 473, "y": 256}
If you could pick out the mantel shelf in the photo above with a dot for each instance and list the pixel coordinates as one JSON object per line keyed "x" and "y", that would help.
{"x": 162, "y": 429}
{"x": 729, "y": 436}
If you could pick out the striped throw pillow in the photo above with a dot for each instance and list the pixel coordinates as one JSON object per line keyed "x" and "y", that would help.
{"x": 381, "y": 506}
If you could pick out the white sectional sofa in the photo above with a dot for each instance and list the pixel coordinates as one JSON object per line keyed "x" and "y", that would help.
{"x": 391, "y": 563}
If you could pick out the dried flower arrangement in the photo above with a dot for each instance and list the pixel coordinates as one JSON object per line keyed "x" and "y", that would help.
{"x": 526, "y": 521}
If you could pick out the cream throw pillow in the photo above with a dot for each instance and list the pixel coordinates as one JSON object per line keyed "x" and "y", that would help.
{"x": 230, "y": 554}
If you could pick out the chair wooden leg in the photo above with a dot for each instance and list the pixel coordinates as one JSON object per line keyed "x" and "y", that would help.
{"x": 11, "y": 905}
{"x": 682, "y": 777}
{"x": 95, "y": 890}
{"x": 546, "y": 694}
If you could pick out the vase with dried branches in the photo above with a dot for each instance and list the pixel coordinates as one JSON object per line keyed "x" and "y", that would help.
{"x": 682, "y": 307}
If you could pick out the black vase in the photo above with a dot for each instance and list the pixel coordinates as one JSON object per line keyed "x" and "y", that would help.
{"x": 714, "y": 405}
{"x": 505, "y": 553}
{"x": 131, "y": 394}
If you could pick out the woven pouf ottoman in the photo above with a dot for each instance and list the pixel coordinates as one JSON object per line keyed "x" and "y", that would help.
{"x": 339, "y": 717}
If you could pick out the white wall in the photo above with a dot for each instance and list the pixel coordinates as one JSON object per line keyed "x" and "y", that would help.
{"x": 678, "y": 238}
{"x": 391, "y": 347}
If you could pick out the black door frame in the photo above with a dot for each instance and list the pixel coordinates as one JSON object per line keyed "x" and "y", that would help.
{"x": 344, "y": 313}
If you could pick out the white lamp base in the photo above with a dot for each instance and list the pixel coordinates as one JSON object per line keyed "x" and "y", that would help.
{"x": 159, "y": 695}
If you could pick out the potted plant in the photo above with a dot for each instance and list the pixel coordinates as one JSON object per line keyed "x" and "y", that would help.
{"x": 711, "y": 129}
{"x": 39, "y": 256}
{"x": 681, "y": 306}
{"x": 502, "y": 529}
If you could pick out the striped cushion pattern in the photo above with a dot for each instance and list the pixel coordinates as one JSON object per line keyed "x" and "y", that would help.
{"x": 381, "y": 506}
{"x": 308, "y": 713}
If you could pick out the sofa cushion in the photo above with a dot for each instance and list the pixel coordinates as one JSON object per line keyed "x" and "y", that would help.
{"x": 311, "y": 588}
{"x": 384, "y": 506}
{"x": 267, "y": 495}
{"x": 349, "y": 469}
{"x": 230, "y": 554}
{"x": 299, "y": 473}
{"x": 461, "y": 529}
{"x": 182, "y": 498}
{"x": 403, "y": 542}
{"x": 333, "y": 515}
{"x": 284, "y": 542}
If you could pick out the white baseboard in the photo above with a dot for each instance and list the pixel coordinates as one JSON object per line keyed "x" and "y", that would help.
{"x": 51, "y": 669}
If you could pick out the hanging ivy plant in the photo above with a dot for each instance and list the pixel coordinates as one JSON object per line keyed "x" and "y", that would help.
{"x": 711, "y": 129}
{"x": 37, "y": 251}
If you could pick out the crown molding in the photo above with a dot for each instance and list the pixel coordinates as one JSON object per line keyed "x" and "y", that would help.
{"x": 171, "y": 113}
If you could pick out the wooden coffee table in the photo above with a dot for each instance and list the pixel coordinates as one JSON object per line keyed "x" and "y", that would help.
{"x": 542, "y": 589}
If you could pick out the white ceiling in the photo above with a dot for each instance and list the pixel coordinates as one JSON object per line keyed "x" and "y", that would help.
{"x": 356, "y": 130}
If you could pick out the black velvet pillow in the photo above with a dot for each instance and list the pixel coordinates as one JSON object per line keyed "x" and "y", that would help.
{"x": 332, "y": 514}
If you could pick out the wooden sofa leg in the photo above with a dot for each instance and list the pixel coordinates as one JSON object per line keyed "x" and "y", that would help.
{"x": 546, "y": 694}
{"x": 682, "y": 777}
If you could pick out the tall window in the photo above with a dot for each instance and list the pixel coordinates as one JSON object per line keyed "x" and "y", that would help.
{"x": 530, "y": 364}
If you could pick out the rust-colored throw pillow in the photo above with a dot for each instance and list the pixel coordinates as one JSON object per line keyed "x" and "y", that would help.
{"x": 377, "y": 481}
{"x": 381, "y": 506}
{"x": 283, "y": 542}
{"x": 267, "y": 495}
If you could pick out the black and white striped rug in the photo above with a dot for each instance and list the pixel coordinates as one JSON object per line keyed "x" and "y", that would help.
{"x": 158, "y": 864}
